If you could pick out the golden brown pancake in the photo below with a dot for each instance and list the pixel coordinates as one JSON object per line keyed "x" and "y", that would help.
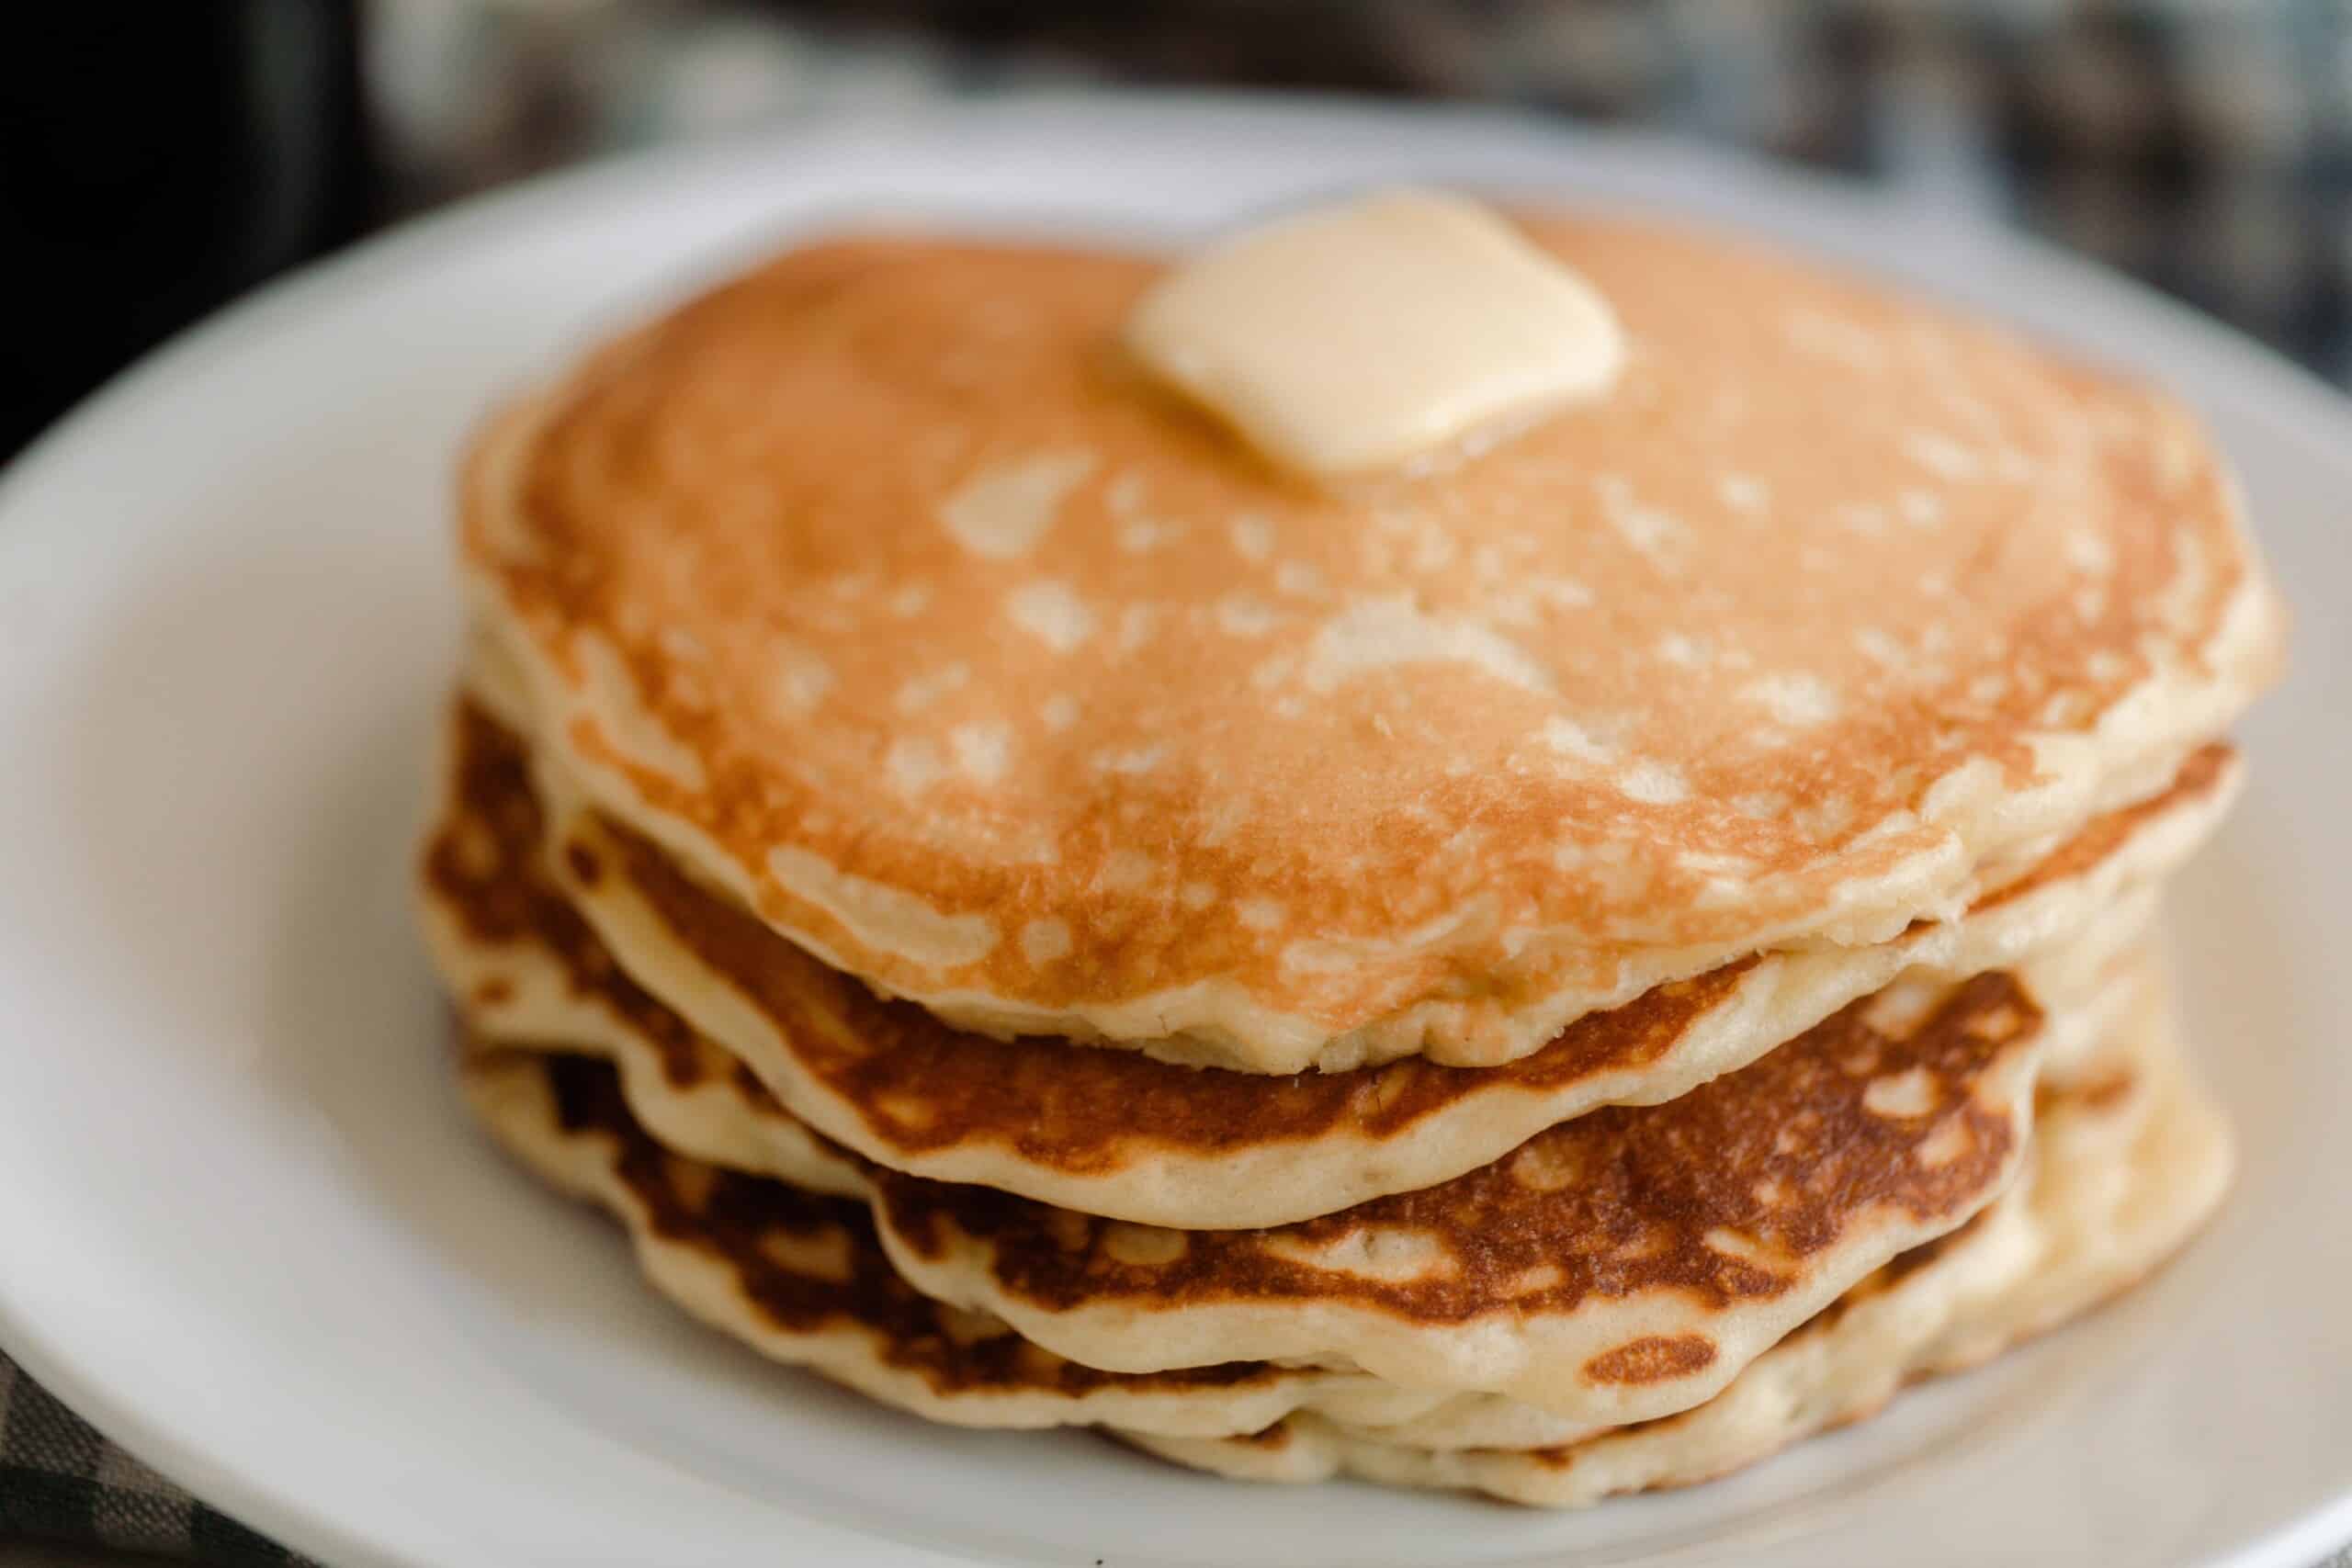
{"x": 879, "y": 590}
{"x": 1622, "y": 1264}
{"x": 801, "y": 1278}
{"x": 1107, "y": 1131}
{"x": 2125, "y": 1171}
{"x": 1612, "y": 1269}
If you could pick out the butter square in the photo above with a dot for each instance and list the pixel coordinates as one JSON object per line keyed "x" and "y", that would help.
{"x": 1377, "y": 332}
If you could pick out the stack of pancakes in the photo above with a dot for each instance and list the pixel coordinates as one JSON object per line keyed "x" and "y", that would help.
{"x": 1555, "y": 975}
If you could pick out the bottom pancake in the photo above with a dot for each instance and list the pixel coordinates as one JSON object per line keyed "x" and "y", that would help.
{"x": 2127, "y": 1158}
{"x": 2130, "y": 1158}
{"x": 800, "y": 1275}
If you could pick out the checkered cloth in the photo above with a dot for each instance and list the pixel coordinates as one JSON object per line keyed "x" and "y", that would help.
{"x": 2203, "y": 145}
{"x": 61, "y": 1480}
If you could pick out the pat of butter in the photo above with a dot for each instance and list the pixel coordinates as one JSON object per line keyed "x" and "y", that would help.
{"x": 1376, "y": 331}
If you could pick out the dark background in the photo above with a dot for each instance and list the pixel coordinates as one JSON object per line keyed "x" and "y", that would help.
{"x": 155, "y": 160}
{"x": 158, "y": 157}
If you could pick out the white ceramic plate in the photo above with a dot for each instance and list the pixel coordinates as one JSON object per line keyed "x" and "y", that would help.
{"x": 247, "y": 1232}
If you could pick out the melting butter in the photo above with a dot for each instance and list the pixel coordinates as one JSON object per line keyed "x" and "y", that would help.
{"x": 1377, "y": 332}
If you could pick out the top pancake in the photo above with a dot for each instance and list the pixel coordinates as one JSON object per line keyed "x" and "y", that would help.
{"x": 882, "y": 591}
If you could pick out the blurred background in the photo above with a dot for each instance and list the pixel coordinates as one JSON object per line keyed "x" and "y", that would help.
{"x": 157, "y": 159}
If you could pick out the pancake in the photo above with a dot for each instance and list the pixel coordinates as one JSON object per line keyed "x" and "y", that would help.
{"x": 1641, "y": 1283}
{"x": 885, "y": 596}
{"x": 1116, "y": 1132}
{"x": 693, "y": 1100}
{"x": 2121, "y": 1177}
{"x": 1614, "y": 1267}
{"x": 800, "y": 1276}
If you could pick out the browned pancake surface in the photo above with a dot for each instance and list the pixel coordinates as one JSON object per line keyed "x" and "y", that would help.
{"x": 807, "y": 1264}
{"x": 919, "y": 1085}
{"x": 484, "y": 863}
{"x": 1721, "y": 1196}
{"x": 1676, "y": 669}
{"x": 756, "y": 1224}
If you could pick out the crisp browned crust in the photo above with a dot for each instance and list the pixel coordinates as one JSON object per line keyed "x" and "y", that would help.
{"x": 1721, "y": 1197}
{"x": 751, "y": 1222}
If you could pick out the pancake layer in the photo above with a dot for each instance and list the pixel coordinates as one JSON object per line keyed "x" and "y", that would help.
{"x": 2124, "y": 1172}
{"x": 879, "y": 590}
{"x": 1617, "y": 1266}
{"x": 1114, "y": 1132}
{"x": 2128, "y": 1159}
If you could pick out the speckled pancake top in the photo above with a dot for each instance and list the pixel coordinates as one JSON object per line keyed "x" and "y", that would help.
{"x": 881, "y": 587}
